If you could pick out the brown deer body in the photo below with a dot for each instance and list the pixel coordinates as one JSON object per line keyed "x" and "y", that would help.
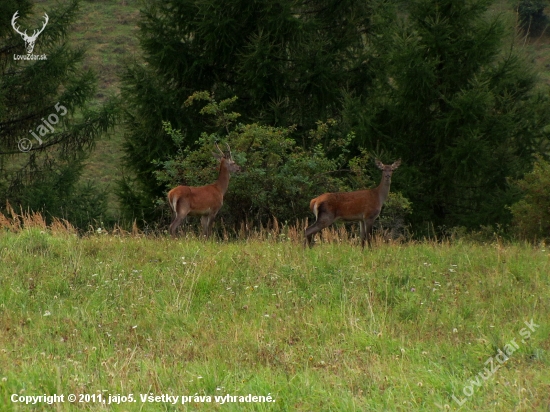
{"x": 203, "y": 201}
{"x": 362, "y": 205}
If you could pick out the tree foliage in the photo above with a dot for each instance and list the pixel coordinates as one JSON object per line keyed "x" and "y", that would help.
{"x": 460, "y": 108}
{"x": 288, "y": 61}
{"x": 532, "y": 18}
{"x": 278, "y": 177}
{"x": 437, "y": 83}
{"x": 532, "y": 212}
{"x": 41, "y": 170}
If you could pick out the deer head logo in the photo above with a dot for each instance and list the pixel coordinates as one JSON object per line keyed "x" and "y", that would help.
{"x": 29, "y": 40}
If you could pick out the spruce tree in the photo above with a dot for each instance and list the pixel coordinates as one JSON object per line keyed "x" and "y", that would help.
{"x": 460, "y": 105}
{"x": 288, "y": 62}
{"x": 46, "y": 124}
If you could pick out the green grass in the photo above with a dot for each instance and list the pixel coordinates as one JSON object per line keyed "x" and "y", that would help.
{"x": 107, "y": 30}
{"x": 398, "y": 328}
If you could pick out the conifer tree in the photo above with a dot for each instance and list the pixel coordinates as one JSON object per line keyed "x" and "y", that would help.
{"x": 46, "y": 124}
{"x": 460, "y": 105}
{"x": 288, "y": 62}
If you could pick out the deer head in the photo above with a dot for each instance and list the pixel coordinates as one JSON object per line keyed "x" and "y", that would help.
{"x": 231, "y": 165}
{"x": 29, "y": 40}
{"x": 387, "y": 169}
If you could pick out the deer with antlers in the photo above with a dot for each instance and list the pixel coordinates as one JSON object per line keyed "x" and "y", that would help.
{"x": 204, "y": 201}
{"x": 362, "y": 205}
{"x": 29, "y": 40}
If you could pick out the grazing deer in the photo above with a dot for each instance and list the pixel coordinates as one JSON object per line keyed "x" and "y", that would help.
{"x": 362, "y": 205}
{"x": 204, "y": 201}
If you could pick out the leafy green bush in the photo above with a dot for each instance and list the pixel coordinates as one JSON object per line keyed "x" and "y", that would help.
{"x": 532, "y": 213}
{"x": 278, "y": 177}
{"x": 393, "y": 217}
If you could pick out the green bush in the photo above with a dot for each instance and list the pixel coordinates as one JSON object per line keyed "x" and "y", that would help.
{"x": 394, "y": 214}
{"x": 278, "y": 177}
{"x": 532, "y": 213}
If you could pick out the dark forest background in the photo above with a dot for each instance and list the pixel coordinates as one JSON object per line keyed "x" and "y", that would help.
{"x": 307, "y": 93}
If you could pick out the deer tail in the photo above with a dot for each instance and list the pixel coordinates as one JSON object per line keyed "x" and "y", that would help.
{"x": 172, "y": 200}
{"x": 314, "y": 206}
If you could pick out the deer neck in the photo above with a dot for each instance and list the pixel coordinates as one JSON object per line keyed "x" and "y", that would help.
{"x": 223, "y": 178}
{"x": 383, "y": 189}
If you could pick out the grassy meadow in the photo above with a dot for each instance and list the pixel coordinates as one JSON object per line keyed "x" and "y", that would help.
{"x": 401, "y": 327}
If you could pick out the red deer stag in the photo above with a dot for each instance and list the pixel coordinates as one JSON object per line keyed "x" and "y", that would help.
{"x": 204, "y": 201}
{"x": 362, "y": 205}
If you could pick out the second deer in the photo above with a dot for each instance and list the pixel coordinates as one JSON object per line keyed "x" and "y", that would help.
{"x": 362, "y": 205}
{"x": 204, "y": 201}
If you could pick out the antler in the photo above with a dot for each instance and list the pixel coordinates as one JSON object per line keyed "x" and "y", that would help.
{"x": 221, "y": 151}
{"x": 37, "y": 32}
{"x": 229, "y": 150}
{"x": 15, "y": 17}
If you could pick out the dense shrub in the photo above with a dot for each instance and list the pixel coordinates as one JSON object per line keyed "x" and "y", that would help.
{"x": 278, "y": 177}
{"x": 532, "y": 213}
{"x": 393, "y": 219}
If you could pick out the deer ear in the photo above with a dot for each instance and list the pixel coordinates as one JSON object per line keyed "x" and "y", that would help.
{"x": 396, "y": 164}
{"x": 217, "y": 155}
{"x": 379, "y": 164}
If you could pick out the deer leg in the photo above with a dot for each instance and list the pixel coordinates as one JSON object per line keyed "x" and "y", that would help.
{"x": 205, "y": 221}
{"x": 369, "y": 225}
{"x": 321, "y": 223}
{"x": 210, "y": 224}
{"x": 179, "y": 217}
{"x": 175, "y": 223}
{"x": 363, "y": 232}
